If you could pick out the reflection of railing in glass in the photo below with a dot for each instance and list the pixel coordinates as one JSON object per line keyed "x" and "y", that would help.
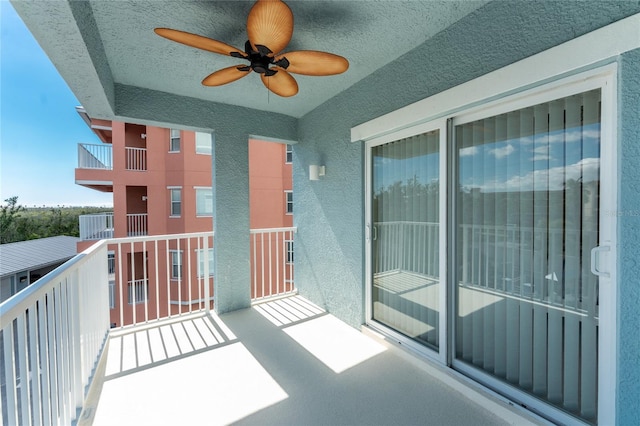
{"x": 407, "y": 246}
{"x": 517, "y": 261}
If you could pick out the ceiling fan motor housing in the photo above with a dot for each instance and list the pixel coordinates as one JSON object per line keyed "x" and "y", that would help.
{"x": 260, "y": 59}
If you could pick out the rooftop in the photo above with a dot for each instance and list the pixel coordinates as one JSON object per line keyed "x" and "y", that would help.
{"x": 32, "y": 254}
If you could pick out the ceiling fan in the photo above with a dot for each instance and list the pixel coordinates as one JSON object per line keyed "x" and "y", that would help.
{"x": 269, "y": 27}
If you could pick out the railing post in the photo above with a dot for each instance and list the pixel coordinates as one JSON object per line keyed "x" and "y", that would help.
{"x": 205, "y": 270}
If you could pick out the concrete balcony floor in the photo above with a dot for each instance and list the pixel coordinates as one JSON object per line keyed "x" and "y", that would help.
{"x": 285, "y": 362}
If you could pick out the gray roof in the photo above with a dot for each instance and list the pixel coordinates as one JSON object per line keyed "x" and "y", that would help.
{"x": 33, "y": 254}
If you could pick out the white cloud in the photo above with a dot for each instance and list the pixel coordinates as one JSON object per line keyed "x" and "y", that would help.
{"x": 502, "y": 152}
{"x": 468, "y": 152}
{"x": 573, "y": 135}
{"x": 541, "y": 157}
{"x": 587, "y": 170}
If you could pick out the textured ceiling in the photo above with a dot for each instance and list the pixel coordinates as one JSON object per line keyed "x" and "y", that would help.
{"x": 102, "y": 47}
{"x": 369, "y": 34}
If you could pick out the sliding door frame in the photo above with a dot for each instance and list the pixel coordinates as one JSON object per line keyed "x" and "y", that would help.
{"x": 441, "y": 354}
{"x": 604, "y": 79}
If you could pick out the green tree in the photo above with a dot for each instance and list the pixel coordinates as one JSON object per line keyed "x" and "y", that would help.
{"x": 9, "y": 213}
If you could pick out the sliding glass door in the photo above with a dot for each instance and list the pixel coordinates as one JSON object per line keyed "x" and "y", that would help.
{"x": 527, "y": 203}
{"x": 405, "y": 206}
{"x": 485, "y": 236}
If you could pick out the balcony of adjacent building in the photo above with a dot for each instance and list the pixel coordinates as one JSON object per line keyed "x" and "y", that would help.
{"x": 79, "y": 348}
{"x": 97, "y": 162}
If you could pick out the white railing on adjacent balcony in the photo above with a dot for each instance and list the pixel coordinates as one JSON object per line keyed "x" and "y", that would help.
{"x": 95, "y": 156}
{"x": 271, "y": 252}
{"x": 53, "y": 333}
{"x": 136, "y": 158}
{"x": 137, "y": 224}
{"x": 97, "y": 226}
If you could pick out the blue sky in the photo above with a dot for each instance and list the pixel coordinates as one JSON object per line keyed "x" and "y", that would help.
{"x": 39, "y": 126}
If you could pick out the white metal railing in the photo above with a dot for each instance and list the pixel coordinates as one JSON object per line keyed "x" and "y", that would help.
{"x": 53, "y": 333}
{"x": 96, "y": 226}
{"x": 271, "y": 262}
{"x": 169, "y": 273}
{"x": 136, "y": 158}
{"x": 137, "y": 224}
{"x": 95, "y": 156}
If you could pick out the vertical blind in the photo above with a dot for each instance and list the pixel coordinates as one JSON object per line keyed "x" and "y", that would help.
{"x": 406, "y": 236}
{"x": 527, "y": 202}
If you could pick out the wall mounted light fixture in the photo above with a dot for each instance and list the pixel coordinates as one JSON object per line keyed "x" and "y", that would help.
{"x": 316, "y": 171}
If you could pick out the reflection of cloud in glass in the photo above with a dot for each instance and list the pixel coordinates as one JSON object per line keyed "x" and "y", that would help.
{"x": 541, "y": 153}
{"x": 502, "y": 152}
{"x": 541, "y": 157}
{"x": 573, "y": 135}
{"x": 585, "y": 170}
{"x": 468, "y": 152}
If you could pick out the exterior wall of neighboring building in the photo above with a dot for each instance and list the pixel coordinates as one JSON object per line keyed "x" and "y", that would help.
{"x": 268, "y": 185}
{"x": 148, "y": 192}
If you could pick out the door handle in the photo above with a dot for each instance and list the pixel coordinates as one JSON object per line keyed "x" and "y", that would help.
{"x": 595, "y": 261}
{"x": 372, "y": 232}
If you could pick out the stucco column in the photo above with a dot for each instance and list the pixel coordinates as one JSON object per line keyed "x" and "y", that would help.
{"x": 230, "y": 173}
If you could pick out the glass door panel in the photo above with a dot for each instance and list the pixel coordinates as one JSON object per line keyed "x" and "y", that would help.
{"x": 527, "y": 204}
{"x": 406, "y": 236}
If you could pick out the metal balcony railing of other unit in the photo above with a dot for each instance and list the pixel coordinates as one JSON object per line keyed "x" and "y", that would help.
{"x": 96, "y": 226}
{"x": 136, "y": 158}
{"x": 95, "y": 156}
{"x": 137, "y": 224}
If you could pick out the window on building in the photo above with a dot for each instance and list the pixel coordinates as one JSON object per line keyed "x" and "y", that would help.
{"x": 138, "y": 291}
{"x": 289, "y": 202}
{"x": 176, "y": 264}
{"x": 176, "y": 201}
{"x": 204, "y": 201}
{"x": 289, "y": 247}
{"x": 203, "y": 143}
{"x": 289, "y": 159}
{"x": 201, "y": 258}
{"x": 112, "y": 294}
{"x": 174, "y": 141}
{"x": 111, "y": 262}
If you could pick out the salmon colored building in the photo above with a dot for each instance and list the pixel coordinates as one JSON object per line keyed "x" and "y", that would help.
{"x": 161, "y": 182}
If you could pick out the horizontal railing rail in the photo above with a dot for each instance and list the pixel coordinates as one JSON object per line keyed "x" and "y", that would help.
{"x": 136, "y": 158}
{"x": 98, "y": 226}
{"x": 272, "y": 255}
{"x": 53, "y": 333}
{"x": 95, "y": 156}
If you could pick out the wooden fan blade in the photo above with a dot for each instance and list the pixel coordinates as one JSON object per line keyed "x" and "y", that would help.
{"x": 281, "y": 83}
{"x": 312, "y": 62}
{"x": 225, "y": 75}
{"x": 197, "y": 41}
{"x": 270, "y": 24}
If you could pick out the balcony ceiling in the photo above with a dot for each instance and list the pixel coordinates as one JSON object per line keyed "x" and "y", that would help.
{"x": 110, "y": 56}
